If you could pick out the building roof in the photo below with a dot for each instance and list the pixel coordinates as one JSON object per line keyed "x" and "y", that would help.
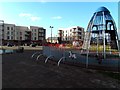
{"x": 102, "y": 9}
{"x": 22, "y": 26}
{"x": 35, "y": 27}
{"x": 8, "y": 24}
{"x": 70, "y": 28}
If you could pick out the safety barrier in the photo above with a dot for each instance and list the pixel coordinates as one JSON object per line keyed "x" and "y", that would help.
{"x": 77, "y": 57}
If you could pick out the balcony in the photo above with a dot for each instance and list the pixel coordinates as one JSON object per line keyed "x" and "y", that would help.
{"x": 74, "y": 32}
{"x": 41, "y": 31}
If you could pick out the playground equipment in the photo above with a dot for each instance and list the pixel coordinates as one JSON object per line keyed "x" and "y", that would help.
{"x": 101, "y": 34}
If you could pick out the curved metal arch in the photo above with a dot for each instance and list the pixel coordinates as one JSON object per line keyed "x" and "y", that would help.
{"x": 48, "y": 58}
{"x": 60, "y": 61}
{"x": 39, "y": 56}
{"x": 34, "y": 54}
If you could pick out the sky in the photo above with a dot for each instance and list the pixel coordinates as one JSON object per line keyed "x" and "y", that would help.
{"x": 56, "y": 14}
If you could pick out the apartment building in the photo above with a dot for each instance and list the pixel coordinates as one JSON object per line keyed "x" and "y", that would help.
{"x": 21, "y": 34}
{"x": 8, "y": 33}
{"x": 75, "y": 33}
{"x": 54, "y": 39}
{"x": 38, "y": 34}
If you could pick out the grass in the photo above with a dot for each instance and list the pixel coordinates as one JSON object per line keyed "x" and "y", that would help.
{"x": 94, "y": 48}
{"x": 100, "y": 48}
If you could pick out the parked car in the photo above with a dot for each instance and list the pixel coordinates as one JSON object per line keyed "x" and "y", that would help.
{"x": 10, "y": 45}
{"x": 33, "y": 45}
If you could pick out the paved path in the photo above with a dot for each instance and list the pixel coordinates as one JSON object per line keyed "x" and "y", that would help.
{"x": 19, "y": 71}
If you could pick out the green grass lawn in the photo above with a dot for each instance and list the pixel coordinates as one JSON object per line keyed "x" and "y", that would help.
{"x": 100, "y": 48}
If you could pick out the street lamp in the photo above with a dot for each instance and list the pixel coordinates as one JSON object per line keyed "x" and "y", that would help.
{"x": 51, "y": 33}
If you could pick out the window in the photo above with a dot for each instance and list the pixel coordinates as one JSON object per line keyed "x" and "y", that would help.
{"x": 20, "y": 33}
{"x": 8, "y": 33}
{"x": 8, "y": 37}
{"x": 11, "y": 37}
{"x": 41, "y": 31}
{"x": 66, "y": 35}
{"x": 40, "y": 38}
{"x": 35, "y": 38}
{"x": 8, "y": 28}
{"x": 11, "y": 33}
{"x": 11, "y": 28}
{"x": 79, "y": 29}
{"x": 80, "y": 37}
{"x": 20, "y": 38}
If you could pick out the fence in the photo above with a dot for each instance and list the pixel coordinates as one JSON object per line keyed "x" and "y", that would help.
{"x": 77, "y": 57}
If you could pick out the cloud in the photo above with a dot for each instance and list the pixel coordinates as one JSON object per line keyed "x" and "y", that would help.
{"x": 35, "y": 18}
{"x": 57, "y": 17}
{"x": 25, "y": 15}
{"x": 29, "y": 16}
{"x": 43, "y": 1}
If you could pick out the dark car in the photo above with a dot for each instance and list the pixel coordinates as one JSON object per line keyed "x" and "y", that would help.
{"x": 33, "y": 45}
{"x": 10, "y": 45}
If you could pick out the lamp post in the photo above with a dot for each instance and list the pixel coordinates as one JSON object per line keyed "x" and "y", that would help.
{"x": 51, "y": 33}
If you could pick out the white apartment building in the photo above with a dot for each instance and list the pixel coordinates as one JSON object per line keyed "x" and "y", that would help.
{"x": 9, "y": 32}
{"x": 12, "y": 34}
{"x": 75, "y": 33}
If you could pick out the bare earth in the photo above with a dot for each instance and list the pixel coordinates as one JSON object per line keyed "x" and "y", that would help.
{"x": 20, "y": 71}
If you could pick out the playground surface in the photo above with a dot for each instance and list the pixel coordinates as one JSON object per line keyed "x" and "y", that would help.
{"x": 20, "y": 71}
